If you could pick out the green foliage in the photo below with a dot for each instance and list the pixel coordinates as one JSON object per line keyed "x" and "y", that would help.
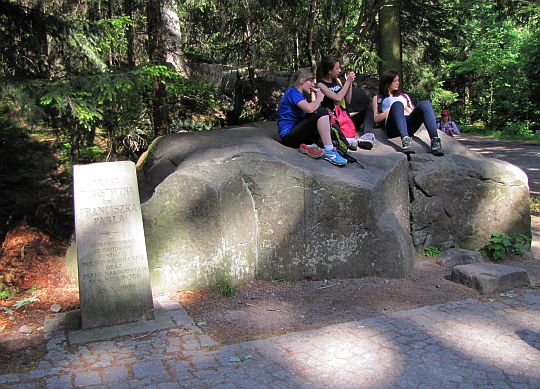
{"x": 535, "y": 205}
{"x": 191, "y": 125}
{"x": 225, "y": 287}
{"x": 25, "y": 301}
{"x": 431, "y": 251}
{"x": 29, "y": 181}
{"x": 520, "y": 244}
{"x": 481, "y": 128}
{"x": 7, "y": 311}
{"x": 8, "y": 293}
{"x": 278, "y": 35}
{"x": 118, "y": 105}
{"x": 481, "y": 59}
{"x": 87, "y": 154}
{"x": 502, "y": 244}
{"x": 428, "y": 87}
{"x": 498, "y": 246}
{"x": 441, "y": 98}
{"x": 497, "y": 62}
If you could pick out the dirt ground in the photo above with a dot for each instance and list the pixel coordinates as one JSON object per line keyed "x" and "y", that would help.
{"x": 32, "y": 268}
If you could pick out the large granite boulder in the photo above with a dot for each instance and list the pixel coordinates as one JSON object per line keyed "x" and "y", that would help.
{"x": 464, "y": 197}
{"x": 234, "y": 204}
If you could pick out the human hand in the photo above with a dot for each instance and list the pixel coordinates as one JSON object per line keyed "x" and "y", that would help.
{"x": 318, "y": 94}
{"x": 350, "y": 75}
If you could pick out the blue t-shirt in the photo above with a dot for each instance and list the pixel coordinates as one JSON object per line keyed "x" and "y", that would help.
{"x": 288, "y": 113}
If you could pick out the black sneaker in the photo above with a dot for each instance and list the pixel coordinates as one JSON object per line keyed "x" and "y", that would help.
{"x": 407, "y": 145}
{"x": 436, "y": 147}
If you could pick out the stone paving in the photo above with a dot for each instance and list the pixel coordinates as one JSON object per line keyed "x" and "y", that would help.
{"x": 489, "y": 343}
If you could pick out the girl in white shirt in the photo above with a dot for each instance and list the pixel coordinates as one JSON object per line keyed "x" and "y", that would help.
{"x": 397, "y": 114}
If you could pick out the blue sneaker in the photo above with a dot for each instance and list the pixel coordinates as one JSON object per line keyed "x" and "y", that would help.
{"x": 334, "y": 158}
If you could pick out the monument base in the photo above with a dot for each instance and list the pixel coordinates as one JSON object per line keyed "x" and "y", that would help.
{"x": 76, "y": 335}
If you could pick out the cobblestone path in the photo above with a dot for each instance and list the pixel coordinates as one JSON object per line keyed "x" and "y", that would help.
{"x": 465, "y": 344}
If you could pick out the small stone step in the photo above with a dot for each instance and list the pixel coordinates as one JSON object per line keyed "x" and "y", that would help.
{"x": 489, "y": 277}
{"x": 454, "y": 257}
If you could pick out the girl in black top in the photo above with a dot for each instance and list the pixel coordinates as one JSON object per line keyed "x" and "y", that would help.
{"x": 336, "y": 93}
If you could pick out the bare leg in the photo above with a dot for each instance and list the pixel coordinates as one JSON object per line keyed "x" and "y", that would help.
{"x": 323, "y": 126}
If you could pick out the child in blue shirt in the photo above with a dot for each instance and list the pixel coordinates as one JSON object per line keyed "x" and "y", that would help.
{"x": 300, "y": 121}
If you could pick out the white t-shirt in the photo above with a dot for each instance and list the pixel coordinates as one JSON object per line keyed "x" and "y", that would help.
{"x": 388, "y": 101}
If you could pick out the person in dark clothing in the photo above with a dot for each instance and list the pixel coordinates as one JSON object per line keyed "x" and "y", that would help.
{"x": 339, "y": 94}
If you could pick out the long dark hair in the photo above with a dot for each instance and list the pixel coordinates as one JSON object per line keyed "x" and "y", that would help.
{"x": 327, "y": 64}
{"x": 387, "y": 77}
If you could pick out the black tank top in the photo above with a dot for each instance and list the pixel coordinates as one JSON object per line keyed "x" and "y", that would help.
{"x": 334, "y": 87}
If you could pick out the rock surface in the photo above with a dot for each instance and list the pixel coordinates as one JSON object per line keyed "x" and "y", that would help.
{"x": 464, "y": 197}
{"x": 454, "y": 257}
{"x": 234, "y": 204}
{"x": 489, "y": 277}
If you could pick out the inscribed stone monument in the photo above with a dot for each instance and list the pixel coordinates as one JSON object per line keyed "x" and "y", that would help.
{"x": 114, "y": 285}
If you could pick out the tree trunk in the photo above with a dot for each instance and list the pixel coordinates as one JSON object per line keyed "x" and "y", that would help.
{"x": 310, "y": 33}
{"x": 130, "y": 34}
{"x": 467, "y": 104}
{"x": 296, "y": 51}
{"x": 367, "y": 21}
{"x": 173, "y": 38}
{"x": 110, "y": 14}
{"x": 156, "y": 42}
{"x": 337, "y": 38}
{"x": 250, "y": 55}
{"x": 160, "y": 111}
{"x": 42, "y": 42}
{"x": 389, "y": 38}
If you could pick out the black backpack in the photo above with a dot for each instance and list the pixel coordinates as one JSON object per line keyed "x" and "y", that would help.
{"x": 338, "y": 138}
{"x": 339, "y": 141}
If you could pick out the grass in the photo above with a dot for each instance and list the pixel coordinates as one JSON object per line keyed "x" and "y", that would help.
{"x": 480, "y": 129}
{"x": 225, "y": 287}
{"x": 535, "y": 206}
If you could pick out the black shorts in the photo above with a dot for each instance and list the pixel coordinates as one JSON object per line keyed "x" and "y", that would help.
{"x": 305, "y": 131}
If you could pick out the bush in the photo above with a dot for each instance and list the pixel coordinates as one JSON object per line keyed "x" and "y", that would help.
{"x": 224, "y": 286}
{"x": 535, "y": 205}
{"x": 431, "y": 251}
{"x": 502, "y": 244}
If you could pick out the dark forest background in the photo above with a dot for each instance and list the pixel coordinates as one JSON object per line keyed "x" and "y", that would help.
{"x": 97, "y": 80}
